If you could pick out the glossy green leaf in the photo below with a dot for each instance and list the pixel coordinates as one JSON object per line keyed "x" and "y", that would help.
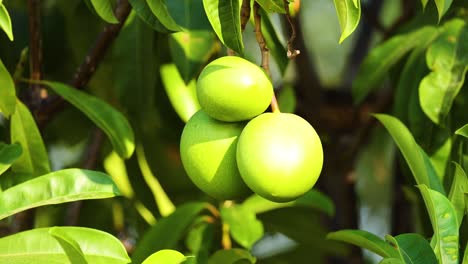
{"x": 444, "y": 223}
{"x": 104, "y": 9}
{"x": 69, "y": 245}
{"x": 277, "y": 49}
{"x": 348, "y": 16}
{"x": 191, "y": 50}
{"x": 380, "y": 59}
{"x": 166, "y": 233}
{"x": 5, "y": 22}
{"x": 462, "y": 131}
{"x": 166, "y": 256}
{"x": 458, "y": 189}
{"x": 8, "y": 155}
{"x": 39, "y": 246}
{"x": 447, "y": 57}
{"x": 413, "y": 249}
{"x": 24, "y": 131}
{"x": 112, "y": 122}
{"x": 287, "y": 99}
{"x": 189, "y": 14}
{"x": 365, "y": 240}
{"x": 7, "y": 93}
{"x": 272, "y": 6}
{"x": 442, "y": 6}
{"x": 144, "y": 12}
{"x": 243, "y": 225}
{"x": 231, "y": 256}
{"x": 391, "y": 261}
{"x": 224, "y": 16}
{"x": 55, "y": 188}
{"x": 417, "y": 159}
{"x": 160, "y": 10}
{"x": 312, "y": 199}
{"x": 182, "y": 96}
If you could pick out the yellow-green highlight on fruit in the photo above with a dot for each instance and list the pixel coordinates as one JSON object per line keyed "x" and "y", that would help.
{"x": 279, "y": 156}
{"x": 233, "y": 89}
{"x": 208, "y": 152}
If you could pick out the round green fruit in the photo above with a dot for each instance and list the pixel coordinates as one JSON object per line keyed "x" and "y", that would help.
{"x": 233, "y": 89}
{"x": 279, "y": 156}
{"x": 208, "y": 153}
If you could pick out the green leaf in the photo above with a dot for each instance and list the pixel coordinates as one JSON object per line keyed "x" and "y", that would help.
{"x": 424, "y": 3}
{"x": 166, "y": 256}
{"x": 277, "y": 49}
{"x": 442, "y": 6}
{"x": 444, "y": 223}
{"x": 160, "y": 10}
{"x": 243, "y": 225}
{"x": 200, "y": 239}
{"x": 365, "y": 240}
{"x": 144, "y": 12}
{"x": 312, "y": 199}
{"x": 104, "y": 10}
{"x": 5, "y": 22}
{"x": 231, "y": 256}
{"x": 224, "y": 16}
{"x": 8, "y": 155}
{"x": 191, "y": 50}
{"x": 69, "y": 245}
{"x": 287, "y": 99}
{"x": 7, "y": 93}
{"x": 418, "y": 161}
{"x": 349, "y": 15}
{"x": 189, "y": 14}
{"x": 115, "y": 167}
{"x": 391, "y": 261}
{"x": 465, "y": 257}
{"x": 463, "y": 131}
{"x": 447, "y": 57}
{"x": 183, "y": 97}
{"x": 272, "y": 6}
{"x": 413, "y": 249}
{"x": 112, "y": 122}
{"x": 166, "y": 233}
{"x": 458, "y": 189}
{"x": 24, "y": 131}
{"x": 56, "y": 188}
{"x": 375, "y": 66}
{"x": 38, "y": 246}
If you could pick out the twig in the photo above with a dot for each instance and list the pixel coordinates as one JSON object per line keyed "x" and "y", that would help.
{"x": 225, "y": 237}
{"x": 292, "y": 52}
{"x": 245, "y": 13}
{"x": 95, "y": 55}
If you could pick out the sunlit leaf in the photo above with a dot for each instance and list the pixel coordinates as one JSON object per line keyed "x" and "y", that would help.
{"x": 69, "y": 245}
{"x": 463, "y": 131}
{"x": 144, "y": 12}
{"x": 112, "y": 122}
{"x": 39, "y": 246}
{"x": 24, "y": 131}
{"x": 166, "y": 256}
{"x": 447, "y": 57}
{"x": 380, "y": 59}
{"x": 277, "y": 49}
{"x": 457, "y": 191}
{"x": 159, "y": 9}
{"x": 5, "y": 22}
{"x": 167, "y": 232}
{"x": 312, "y": 199}
{"x": 442, "y": 6}
{"x": 183, "y": 96}
{"x": 55, "y": 188}
{"x": 365, "y": 240}
{"x": 224, "y": 16}
{"x": 235, "y": 255}
{"x": 424, "y": 3}
{"x": 243, "y": 225}
{"x": 444, "y": 223}
{"x": 7, "y": 93}
{"x": 413, "y": 248}
{"x": 104, "y": 9}
{"x": 391, "y": 261}
{"x": 349, "y": 15}
{"x": 8, "y": 154}
{"x": 272, "y": 6}
{"x": 417, "y": 159}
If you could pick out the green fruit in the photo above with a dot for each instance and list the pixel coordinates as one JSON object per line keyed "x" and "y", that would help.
{"x": 279, "y": 156}
{"x": 233, "y": 89}
{"x": 208, "y": 152}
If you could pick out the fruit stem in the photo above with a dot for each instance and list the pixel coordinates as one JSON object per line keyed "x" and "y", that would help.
{"x": 226, "y": 239}
{"x": 292, "y": 52}
{"x": 274, "y": 105}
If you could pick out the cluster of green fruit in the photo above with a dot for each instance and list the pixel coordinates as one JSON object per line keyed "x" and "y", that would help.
{"x": 231, "y": 147}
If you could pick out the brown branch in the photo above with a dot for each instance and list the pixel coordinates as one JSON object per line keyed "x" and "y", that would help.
{"x": 245, "y": 14}
{"x": 95, "y": 55}
{"x": 292, "y": 52}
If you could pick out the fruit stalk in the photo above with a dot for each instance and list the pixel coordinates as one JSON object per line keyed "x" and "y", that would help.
{"x": 265, "y": 52}
{"x": 292, "y": 52}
